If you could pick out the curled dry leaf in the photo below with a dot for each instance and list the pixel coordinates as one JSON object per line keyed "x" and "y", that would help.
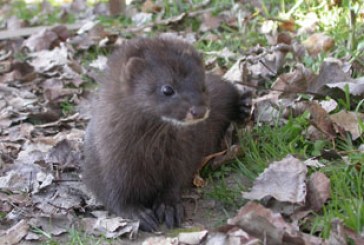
{"x": 317, "y": 43}
{"x": 284, "y": 180}
{"x": 150, "y": 7}
{"x": 161, "y": 240}
{"x": 294, "y": 82}
{"x": 230, "y": 235}
{"x": 45, "y": 60}
{"x": 267, "y": 111}
{"x": 99, "y": 63}
{"x": 318, "y": 191}
{"x": 210, "y": 22}
{"x": 258, "y": 67}
{"x": 192, "y": 238}
{"x": 331, "y": 71}
{"x": 14, "y": 234}
{"x": 288, "y": 25}
{"x": 349, "y": 121}
{"x": 42, "y": 40}
{"x": 355, "y": 87}
{"x": 270, "y": 227}
{"x": 337, "y": 235}
{"x": 312, "y": 162}
{"x": 321, "y": 120}
{"x": 328, "y": 105}
{"x": 55, "y": 225}
{"x": 111, "y": 227}
{"x": 141, "y": 19}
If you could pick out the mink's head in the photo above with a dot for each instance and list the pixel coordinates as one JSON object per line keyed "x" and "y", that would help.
{"x": 164, "y": 78}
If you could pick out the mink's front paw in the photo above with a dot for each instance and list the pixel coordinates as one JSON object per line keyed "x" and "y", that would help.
{"x": 245, "y": 106}
{"x": 171, "y": 214}
{"x": 148, "y": 220}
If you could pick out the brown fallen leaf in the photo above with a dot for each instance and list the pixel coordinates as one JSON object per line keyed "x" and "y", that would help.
{"x": 198, "y": 181}
{"x": 294, "y": 82}
{"x": 42, "y": 40}
{"x": 317, "y": 43}
{"x": 349, "y": 121}
{"x": 331, "y": 71}
{"x": 287, "y": 25}
{"x": 337, "y": 235}
{"x": 284, "y": 180}
{"x": 318, "y": 191}
{"x": 14, "y": 234}
{"x": 270, "y": 227}
{"x": 210, "y": 22}
{"x": 150, "y": 6}
{"x": 322, "y": 121}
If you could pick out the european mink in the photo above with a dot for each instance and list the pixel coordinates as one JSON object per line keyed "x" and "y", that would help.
{"x": 157, "y": 114}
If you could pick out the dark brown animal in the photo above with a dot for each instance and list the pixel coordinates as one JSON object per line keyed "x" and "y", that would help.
{"x": 155, "y": 117}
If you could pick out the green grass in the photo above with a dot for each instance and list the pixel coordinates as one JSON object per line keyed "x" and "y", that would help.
{"x": 67, "y": 107}
{"x": 26, "y": 12}
{"x": 73, "y": 237}
{"x": 264, "y": 144}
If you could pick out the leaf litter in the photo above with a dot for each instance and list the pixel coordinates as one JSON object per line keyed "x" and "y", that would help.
{"x": 41, "y": 143}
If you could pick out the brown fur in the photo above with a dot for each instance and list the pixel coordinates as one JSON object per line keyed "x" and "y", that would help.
{"x": 136, "y": 163}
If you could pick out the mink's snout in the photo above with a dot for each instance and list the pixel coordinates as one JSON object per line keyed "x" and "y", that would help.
{"x": 197, "y": 112}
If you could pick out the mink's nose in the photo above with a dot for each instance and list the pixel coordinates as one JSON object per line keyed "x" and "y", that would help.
{"x": 198, "y": 112}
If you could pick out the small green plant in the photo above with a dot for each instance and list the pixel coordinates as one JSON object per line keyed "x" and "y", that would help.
{"x": 347, "y": 204}
{"x": 67, "y": 107}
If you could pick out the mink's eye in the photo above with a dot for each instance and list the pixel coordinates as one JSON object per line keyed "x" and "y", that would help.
{"x": 167, "y": 90}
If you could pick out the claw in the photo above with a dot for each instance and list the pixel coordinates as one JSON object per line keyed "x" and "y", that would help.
{"x": 172, "y": 215}
{"x": 148, "y": 220}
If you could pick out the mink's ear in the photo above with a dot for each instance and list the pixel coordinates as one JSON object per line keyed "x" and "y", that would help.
{"x": 134, "y": 67}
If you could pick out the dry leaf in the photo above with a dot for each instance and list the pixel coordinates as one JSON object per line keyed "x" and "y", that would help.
{"x": 42, "y": 40}
{"x": 141, "y": 19}
{"x": 317, "y": 43}
{"x": 161, "y": 240}
{"x": 110, "y": 227}
{"x": 210, "y": 22}
{"x": 198, "y": 181}
{"x": 328, "y": 105}
{"x": 331, "y": 71}
{"x": 313, "y": 163}
{"x": 284, "y": 180}
{"x": 45, "y": 60}
{"x": 349, "y": 121}
{"x": 54, "y": 225}
{"x": 318, "y": 191}
{"x": 321, "y": 120}
{"x": 14, "y": 234}
{"x": 337, "y": 90}
{"x": 150, "y": 7}
{"x": 287, "y": 25}
{"x": 260, "y": 222}
{"x": 270, "y": 227}
{"x": 192, "y": 238}
{"x": 293, "y": 82}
